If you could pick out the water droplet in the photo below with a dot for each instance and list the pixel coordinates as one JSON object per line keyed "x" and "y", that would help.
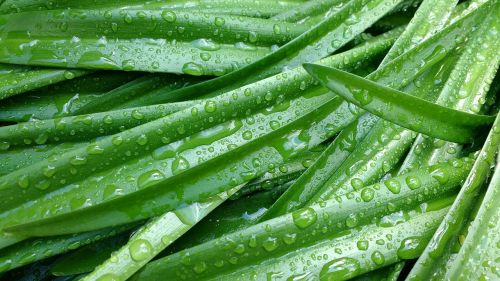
{"x": 362, "y": 245}
{"x": 247, "y": 135}
{"x": 169, "y": 16}
{"x": 192, "y": 68}
{"x": 206, "y": 45}
{"x": 4, "y": 145}
{"x": 94, "y": 149}
{"x": 393, "y": 185}
{"x": 200, "y": 267}
{"x": 210, "y": 106}
{"x": 440, "y": 175}
{"x": 352, "y": 220}
{"x": 136, "y": 114}
{"x": 219, "y": 21}
{"x": 340, "y": 269}
{"x": 357, "y": 183}
{"x": 362, "y": 96}
{"x": 68, "y": 74}
{"x": 378, "y": 258}
{"x": 128, "y": 65}
{"x": 276, "y": 29}
{"x": 127, "y": 19}
{"x": 270, "y": 244}
{"x": 304, "y": 218}
{"x": 412, "y": 182}
{"x": 142, "y": 139}
{"x": 107, "y": 119}
{"x": 140, "y": 250}
{"x": 239, "y": 249}
{"x": 78, "y": 160}
{"x": 367, "y": 194}
{"x": 289, "y": 238}
{"x": 117, "y": 140}
{"x": 411, "y": 248}
{"x": 150, "y": 178}
{"x": 180, "y": 164}
{"x": 23, "y": 181}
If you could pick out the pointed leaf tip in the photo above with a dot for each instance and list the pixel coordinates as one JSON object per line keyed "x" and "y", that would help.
{"x": 400, "y": 108}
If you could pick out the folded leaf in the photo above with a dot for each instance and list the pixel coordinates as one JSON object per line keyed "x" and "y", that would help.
{"x": 405, "y": 110}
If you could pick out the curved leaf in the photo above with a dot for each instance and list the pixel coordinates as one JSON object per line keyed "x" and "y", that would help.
{"x": 59, "y": 99}
{"x": 405, "y": 110}
{"x": 41, "y": 248}
{"x": 382, "y": 142}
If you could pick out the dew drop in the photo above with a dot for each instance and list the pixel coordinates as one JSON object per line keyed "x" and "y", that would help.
{"x": 140, "y": 250}
{"x": 304, "y": 218}
{"x": 169, "y": 16}
{"x": 340, "y": 269}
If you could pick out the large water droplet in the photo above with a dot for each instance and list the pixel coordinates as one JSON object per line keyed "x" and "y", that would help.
{"x": 304, "y": 218}
{"x": 140, "y": 250}
{"x": 340, "y": 269}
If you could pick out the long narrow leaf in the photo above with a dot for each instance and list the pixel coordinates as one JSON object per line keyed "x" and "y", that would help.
{"x": 318, "y": 42}
{"x": 293, "y": 232}
{"x": 152, "y": 238}
{"x": 405, "y": 110}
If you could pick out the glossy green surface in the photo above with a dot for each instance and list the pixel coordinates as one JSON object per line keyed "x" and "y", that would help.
{"x": 304, "y": 229}
{"x": 400, "y": 108}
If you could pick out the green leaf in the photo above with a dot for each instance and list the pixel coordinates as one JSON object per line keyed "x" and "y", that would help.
{"x": 310, "y": 9}
{"x": 88, "y": 126}
{"x": 20, "y": 79}
{"x": 430, "y": 17}
{"x": 88, "y": 257}
{"x": 33, "y": 250}
{"x": 177, "y": 42}
{"x": 319, "y": 173}
{"x": 478, "y": 257}
{"x": 405, "y": 110}
{"x": 456, "y": 219}
{"x": 153, "y": 237}
{"x": 318, "y": 42}
{"x": 138, "y": 88}
{"x": 275, "y": 243}
{"x": 255, "y": 8}
{"x": 333, "y": 113}
{"x": 57, "y": 100}
{"x": 354, "y": 167}
{"x": 465, "y": 90}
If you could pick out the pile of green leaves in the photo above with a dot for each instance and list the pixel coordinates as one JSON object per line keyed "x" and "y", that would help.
{"x": 249, "y": 140}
